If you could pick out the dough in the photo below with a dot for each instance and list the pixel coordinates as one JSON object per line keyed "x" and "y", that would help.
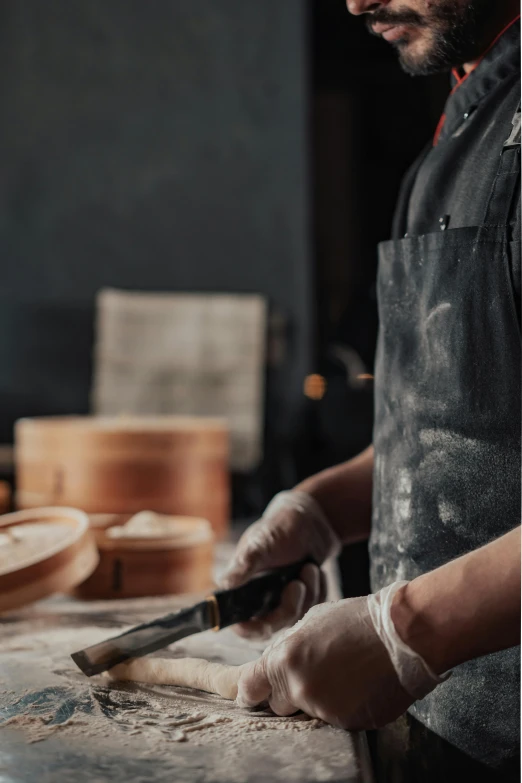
{"x": 189, "y": 672}
{"x": 185, "y": 531}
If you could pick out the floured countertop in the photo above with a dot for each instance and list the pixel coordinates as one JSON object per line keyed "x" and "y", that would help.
{"x": 58, "y": 725}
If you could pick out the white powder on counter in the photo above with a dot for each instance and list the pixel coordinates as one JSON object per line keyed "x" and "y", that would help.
{"x": 159, "y": 715}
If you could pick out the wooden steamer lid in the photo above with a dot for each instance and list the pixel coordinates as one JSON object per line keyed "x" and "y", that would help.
{"x": 43, "y": 551}
{"x": 149, "y": 554}
{"x": 122, "y": 465}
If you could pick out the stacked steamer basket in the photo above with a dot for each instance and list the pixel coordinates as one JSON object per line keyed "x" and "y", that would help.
{"x": 150, "y": 554}
{"x": 43, "y": 551}
{"x": 123, "y": 465}
{"x": 115, "y": 467}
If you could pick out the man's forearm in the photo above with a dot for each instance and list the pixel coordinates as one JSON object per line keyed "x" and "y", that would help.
{"x": 344, "y": 493}
{"x": 467, "y": 608}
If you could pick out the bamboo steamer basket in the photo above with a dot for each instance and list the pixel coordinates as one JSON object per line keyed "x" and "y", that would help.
{"x": 5, "y": 497}
{"x": 170, "y": 464}
{"x": 177, "y": 561}
{"x": 36, "y": 565}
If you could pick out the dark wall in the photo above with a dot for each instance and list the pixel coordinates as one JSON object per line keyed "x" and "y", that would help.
{"x": 145, "y": 144}
{"x": 371, "y": 120}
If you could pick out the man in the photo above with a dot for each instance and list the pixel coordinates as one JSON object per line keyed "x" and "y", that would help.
{"x": 439, "y": 491}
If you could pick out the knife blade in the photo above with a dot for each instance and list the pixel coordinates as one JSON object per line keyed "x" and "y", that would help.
{"x": 252, "y": 599}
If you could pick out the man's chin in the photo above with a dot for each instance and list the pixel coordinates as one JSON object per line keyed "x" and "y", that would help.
{"x": 417, "y": 61}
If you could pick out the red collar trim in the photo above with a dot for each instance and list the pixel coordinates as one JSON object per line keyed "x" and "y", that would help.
{"x": 461, "y": 79}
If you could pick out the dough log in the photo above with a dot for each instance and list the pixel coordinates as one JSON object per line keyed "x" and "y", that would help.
{"x": 188, "y": 672}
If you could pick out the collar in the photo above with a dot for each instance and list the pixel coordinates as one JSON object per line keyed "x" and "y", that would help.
{"x": 500, "y": 61}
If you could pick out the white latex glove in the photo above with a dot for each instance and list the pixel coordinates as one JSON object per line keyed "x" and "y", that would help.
{"x": 335, "y": 665}
{"x": 292, "y": 528}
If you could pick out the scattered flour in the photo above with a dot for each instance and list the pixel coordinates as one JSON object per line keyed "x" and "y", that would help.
{"x": 158, "y": 715}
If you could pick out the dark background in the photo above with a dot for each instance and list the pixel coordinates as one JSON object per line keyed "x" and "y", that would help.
{"x": 210, "y": 145}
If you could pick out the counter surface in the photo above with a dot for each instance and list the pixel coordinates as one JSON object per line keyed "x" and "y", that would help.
{"x": 59, "y": 725}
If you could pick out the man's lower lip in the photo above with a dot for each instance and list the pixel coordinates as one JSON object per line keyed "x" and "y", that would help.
{"x": 394, "y": 33}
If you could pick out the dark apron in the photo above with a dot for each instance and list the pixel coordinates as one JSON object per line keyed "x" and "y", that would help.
{"x": 447, "y": 438}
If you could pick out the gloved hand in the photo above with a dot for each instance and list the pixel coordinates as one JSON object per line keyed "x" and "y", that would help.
{"x": 292, "y": 528}
{"x": 343, "y": 663}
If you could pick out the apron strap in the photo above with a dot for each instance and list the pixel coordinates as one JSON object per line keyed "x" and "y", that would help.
{"x": 498, "y": 208}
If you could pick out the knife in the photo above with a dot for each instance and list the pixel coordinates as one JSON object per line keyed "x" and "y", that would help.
{"x": 253, "y": 599}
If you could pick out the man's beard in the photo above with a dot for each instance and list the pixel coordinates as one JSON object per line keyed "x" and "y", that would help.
{"x": 456, "y": 34}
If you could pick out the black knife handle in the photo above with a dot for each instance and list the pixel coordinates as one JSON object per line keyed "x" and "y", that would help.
{"x": 256, "y": 597}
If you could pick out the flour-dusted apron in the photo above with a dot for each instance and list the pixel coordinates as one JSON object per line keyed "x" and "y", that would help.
{"x": 447, "y": 437}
